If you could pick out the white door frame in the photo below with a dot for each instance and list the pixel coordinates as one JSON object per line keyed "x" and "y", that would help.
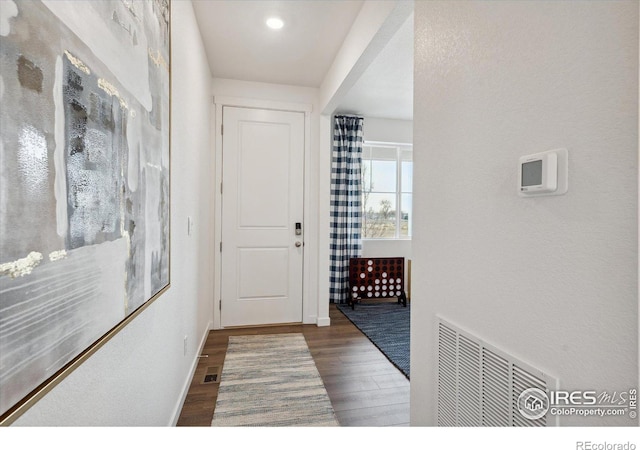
{"x": 220, "y": 102}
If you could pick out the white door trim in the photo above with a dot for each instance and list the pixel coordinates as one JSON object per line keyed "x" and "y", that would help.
{"x": 262, "y": 104}
{"x": 308, "y": 316}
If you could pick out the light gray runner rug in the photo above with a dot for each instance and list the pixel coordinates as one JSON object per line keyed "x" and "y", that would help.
{"x": 271, "y": 380}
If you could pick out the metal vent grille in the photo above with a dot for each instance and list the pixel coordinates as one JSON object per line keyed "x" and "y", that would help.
{"x": 447, "y": 348}
{"x": 469, "y": 391}
{"x": 522, "y": 380}
{"x": 479, "y": 385}
{"x": 496, "y": 407}
{"x": 211, "y": 375}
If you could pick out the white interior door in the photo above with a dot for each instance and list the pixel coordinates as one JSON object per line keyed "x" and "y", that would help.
{"x": 262, "y": 200}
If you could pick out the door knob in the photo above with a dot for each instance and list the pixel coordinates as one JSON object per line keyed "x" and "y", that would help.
{"x": 298, "y": 243}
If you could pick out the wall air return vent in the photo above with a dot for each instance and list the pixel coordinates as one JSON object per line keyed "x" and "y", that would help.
{"x": 479, "y": 385}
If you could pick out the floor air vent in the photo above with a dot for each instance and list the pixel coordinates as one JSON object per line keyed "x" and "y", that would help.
{"x": 211, "y": 375}
{"x": 479, "y": 385}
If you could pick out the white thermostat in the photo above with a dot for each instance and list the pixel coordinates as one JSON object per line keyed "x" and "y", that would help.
{"x": 544, "y": 173}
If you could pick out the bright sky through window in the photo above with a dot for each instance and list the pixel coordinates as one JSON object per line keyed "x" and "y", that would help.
{"x": 387, "y": 175}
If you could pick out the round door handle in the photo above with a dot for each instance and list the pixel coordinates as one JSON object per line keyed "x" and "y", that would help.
{"x": 298, "y": 244}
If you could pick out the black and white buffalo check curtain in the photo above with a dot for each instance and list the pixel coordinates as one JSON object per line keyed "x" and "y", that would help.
{"x": 346, "y": 203}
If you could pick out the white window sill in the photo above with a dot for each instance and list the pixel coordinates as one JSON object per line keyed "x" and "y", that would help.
{"x": 387, "y": 239}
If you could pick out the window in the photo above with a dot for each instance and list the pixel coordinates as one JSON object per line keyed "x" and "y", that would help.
{"x": 387, "y": 180}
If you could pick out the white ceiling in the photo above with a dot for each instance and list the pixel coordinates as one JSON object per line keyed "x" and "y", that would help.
{"x": 239, "y": 46}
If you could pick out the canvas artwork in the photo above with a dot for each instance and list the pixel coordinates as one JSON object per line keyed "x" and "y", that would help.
{"x": 84, "y": 177}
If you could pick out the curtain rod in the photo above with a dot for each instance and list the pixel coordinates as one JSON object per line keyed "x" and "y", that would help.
{"x": 349, "y": 115}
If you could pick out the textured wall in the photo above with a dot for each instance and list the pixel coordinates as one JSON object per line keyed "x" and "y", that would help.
{"x": 551, "y": 280}
{"x": 138, "y": 377}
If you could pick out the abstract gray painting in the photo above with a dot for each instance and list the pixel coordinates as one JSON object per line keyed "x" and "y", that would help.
{"x": 84, "y": 178}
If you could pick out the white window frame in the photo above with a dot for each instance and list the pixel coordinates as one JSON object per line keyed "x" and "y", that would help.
{"x": 400, "y": 148}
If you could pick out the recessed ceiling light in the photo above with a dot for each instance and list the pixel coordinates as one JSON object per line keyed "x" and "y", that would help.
{"x": 275, "y": 23}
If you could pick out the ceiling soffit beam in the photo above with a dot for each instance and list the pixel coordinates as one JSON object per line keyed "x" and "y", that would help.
{"x": 376, "y": 23}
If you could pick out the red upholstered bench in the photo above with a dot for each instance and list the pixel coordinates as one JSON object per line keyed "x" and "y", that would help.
{"x": 376, "y": 279}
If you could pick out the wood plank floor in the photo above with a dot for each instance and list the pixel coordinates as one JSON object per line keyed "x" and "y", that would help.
{"x": 364, "y": 387}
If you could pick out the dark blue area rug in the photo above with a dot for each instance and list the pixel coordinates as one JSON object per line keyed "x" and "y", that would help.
{"x": 387, "y": 326}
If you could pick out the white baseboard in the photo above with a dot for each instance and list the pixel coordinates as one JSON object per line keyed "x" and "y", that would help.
{"x": 323, "y": 321}
{"x": 187, "y": 383}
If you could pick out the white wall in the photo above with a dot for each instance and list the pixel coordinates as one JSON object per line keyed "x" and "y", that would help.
{"x": 140, "y": 376}
{"x": 379, "y": 248}
{"x": 313, "y": 312}
{"x": 551, "y": 280}
{"x": 387, "y": 130}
